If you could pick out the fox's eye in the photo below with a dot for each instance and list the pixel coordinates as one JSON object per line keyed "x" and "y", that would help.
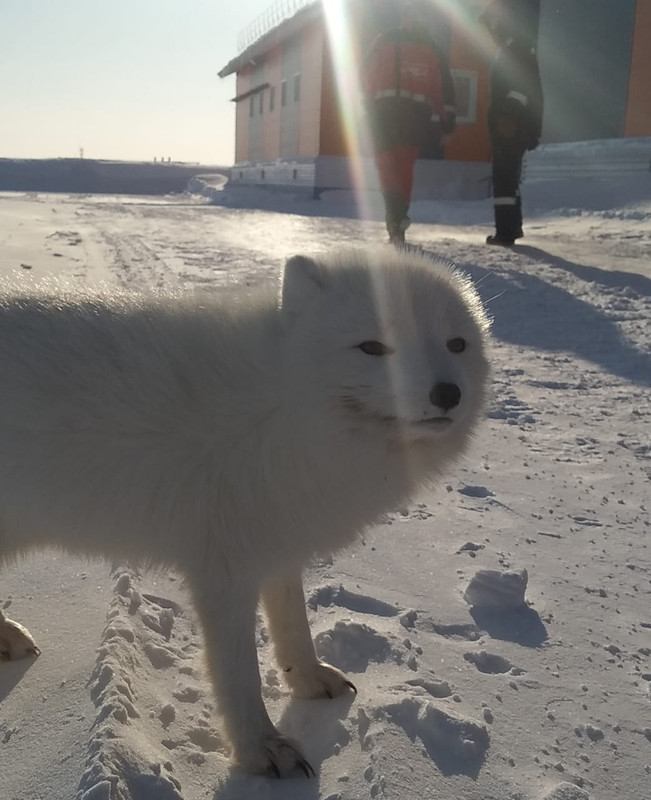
{"x": 374, "y": 348}
{"x": 456, "y": 345}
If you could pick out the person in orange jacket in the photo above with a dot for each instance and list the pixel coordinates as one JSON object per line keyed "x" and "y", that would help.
{"x": 410, "y": 97}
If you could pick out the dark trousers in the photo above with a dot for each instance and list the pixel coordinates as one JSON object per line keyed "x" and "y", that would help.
{"x": 507, "y": 170}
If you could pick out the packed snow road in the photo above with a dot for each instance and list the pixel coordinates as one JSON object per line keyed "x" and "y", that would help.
{"x": 551, "y": 704}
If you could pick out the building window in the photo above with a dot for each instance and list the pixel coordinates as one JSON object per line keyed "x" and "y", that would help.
{"x": 283, "y": 93}
{"x": 297, "y": 87}
{"x": 261, "y": 104}
{"x": 251, "y": 105}
{"x": 465, "y": 89}
{"x": 272, "y": 98}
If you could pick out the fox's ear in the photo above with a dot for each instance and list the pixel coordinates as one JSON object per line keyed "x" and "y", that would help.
{"x": 303, "y": 280}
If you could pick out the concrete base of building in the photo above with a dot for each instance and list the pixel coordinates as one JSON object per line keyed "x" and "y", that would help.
{"x": 433, "y": 179}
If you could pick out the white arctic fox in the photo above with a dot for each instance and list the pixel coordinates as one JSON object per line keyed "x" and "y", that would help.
{"x": 234, "y": 441}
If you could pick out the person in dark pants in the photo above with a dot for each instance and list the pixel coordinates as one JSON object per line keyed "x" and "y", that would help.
{"x": 514, "y": 117}
{"x": 410, "y": 96}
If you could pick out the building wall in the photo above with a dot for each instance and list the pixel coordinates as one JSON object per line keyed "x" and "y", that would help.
{"x": 273, "y": 72}
{"x": 257, "y": 118}
{"x": 585, "y": 59}
{"x": 638, "y": 113}
{"x": 311, "y": 79}
{"x": 290, "y": 117}
{"x": 471, "y": 70}
{"x": 331, "y": 131}
{"x": 289, "y": 129}
{"x": 243, "y": 84}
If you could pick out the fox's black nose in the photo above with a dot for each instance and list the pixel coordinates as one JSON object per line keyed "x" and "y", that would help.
{"x": 445, "y": 395}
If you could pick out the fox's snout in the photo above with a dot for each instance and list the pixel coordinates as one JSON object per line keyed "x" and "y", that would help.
{"x": 445, "y": 395}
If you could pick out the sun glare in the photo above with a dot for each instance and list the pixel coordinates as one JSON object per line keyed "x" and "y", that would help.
{"x": 347, "y": 73}
{"x": 347, "y": 58}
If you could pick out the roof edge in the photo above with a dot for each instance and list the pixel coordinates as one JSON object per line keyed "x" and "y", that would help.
{"x": 286, "y": 29}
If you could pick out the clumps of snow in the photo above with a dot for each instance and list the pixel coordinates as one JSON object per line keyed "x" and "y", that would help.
{"x": 434, "y": 688}
{"x": 330, "y": 595}
{"x": 161, "y": 622}
{"x": 476, "y": 491}
{"x": 160, "y": 657}
{"x": 472, "y": 548}
{"x": 408, "y": 619}
{"x": 121, "y": 765}
{"x": 123, "y": 774}
{"x": 495, "y": 590}
{"x": 594, "y": 733}
{"x": 139, "y": 681}
{"x": 567, "y": 791}
{"x": 167, "y": 715}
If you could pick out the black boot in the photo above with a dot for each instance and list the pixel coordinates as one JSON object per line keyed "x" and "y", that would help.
{"x": 397, "y": 220}
{"x": 500, "y": 241}
{"x": 508, "y": 224}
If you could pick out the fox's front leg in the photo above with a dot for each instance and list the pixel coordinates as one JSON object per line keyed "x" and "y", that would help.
{"x": 227, "y": 615}
{"x": 15, "y": 640}
{"x": 284, "y": 602}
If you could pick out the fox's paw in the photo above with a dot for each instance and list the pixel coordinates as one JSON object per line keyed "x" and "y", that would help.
{"x": 276, "y": 757}
{"x": 15, "y": 641}
{"x": 321, "y": 680}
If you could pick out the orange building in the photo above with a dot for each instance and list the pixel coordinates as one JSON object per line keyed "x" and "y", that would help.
{"x": 296, "y": 124}
{"x": 638, "y": 107}
{"x": 292, "y": 127}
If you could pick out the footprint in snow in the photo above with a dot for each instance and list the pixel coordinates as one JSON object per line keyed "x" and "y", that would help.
{"x": 457, "y": 745}
{"x": 492, "y": 664}
{"x": 352, "y": 646}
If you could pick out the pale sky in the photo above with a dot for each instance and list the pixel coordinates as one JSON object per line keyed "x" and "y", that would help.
{"x": 122, "y": 79}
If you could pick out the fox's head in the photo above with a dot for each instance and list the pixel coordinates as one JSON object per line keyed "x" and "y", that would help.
{"x": 395, "y": 342}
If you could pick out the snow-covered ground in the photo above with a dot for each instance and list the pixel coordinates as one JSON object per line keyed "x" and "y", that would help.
{"x": 456, "y": 702}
